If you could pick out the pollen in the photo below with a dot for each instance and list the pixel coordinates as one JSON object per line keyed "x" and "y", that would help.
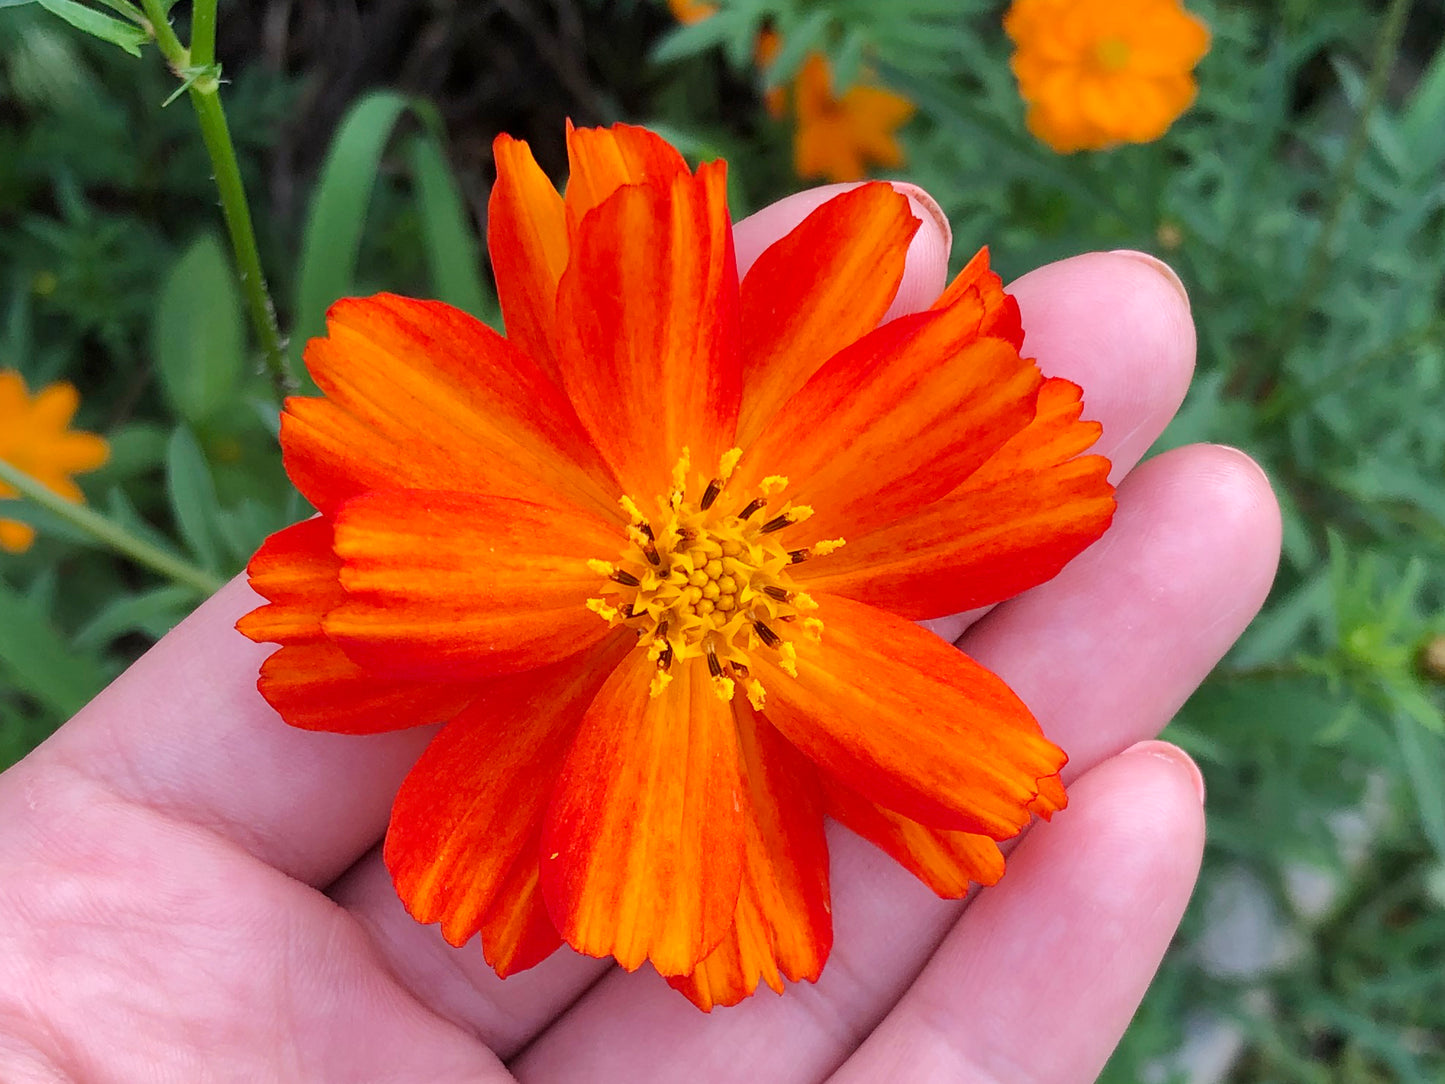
{"x": 706, "y": 579}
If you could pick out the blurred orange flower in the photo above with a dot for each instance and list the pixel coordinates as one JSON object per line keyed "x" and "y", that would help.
{"x": 34, "y": 437}
{"x": 1099, "y": 72}
{"x": 608, "y": 552}
{"x": 837, "y": 138}
{"x": 688, "y": 12}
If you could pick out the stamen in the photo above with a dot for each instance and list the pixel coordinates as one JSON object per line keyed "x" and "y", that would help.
{"x": 664, "y": 660}
{"x": 767, "y": 635}
{"x": 777, "y": 523}
{"x": 709, "y": 495}
{"x": 754, "y": 506}
{"x": 649, "y": 550}
{"x": 713, "y": 666}
{"x": 625, "y": 578}
{"x": 797, "y": 557}
{"x": 778, "y": 593}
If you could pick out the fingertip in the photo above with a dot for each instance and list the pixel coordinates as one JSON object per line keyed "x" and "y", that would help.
{"x": 1178, "y": 760}
{"x": 925, "y": 271}
{"x": 1119, "y": 326}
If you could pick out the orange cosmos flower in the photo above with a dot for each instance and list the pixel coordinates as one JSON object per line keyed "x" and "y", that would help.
{"x": 688, "y": 12}
{"x": 655, "y": 557}
{"x": 1099, "y": 72}
{"x": 838, "y": 137}
{"x": 35, "y": 437}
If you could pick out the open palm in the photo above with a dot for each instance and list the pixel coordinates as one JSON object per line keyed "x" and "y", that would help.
{"x": 193, "y": 891}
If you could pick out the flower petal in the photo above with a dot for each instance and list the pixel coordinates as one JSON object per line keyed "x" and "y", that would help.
{"x": 946, "y": 861}
{"x": 648, "y": 328}
{"x": 784, "y": 923}
{"x": 419, "y": 394}
{"x": 309, "y": 681}
{"x": 465, "y": 835}
{"x": 895, "y": 421}
{"x": 1011, "y": 525}
{"x": 457, "y": 586}
{"x": 602, "y": 160}
{"x": 527, "y": 242}
{"x": 824, "y": 285}
{"x": 642, "y": 849}
{"x": 1001, "y": 318}
{"x": 910, "y": 722}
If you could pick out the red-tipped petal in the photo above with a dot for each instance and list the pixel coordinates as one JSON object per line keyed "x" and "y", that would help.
{"x": 602, "y": 160}
{"x": 309, "y": 681}
{"x": 910, "y": 722}
{"x": 527, "y": 242}
{"x": 421, "y": 395}
{"x": 648, "y": 328}
{"x": 784, "y": 923}
{"x": 946, "y": 861}
{"x": 1013, "y": 524}
{"x": 1001, "y": 318}
{"x": 895, "y": 421}
{"x": 642, "y": 849}
{"x": 463, "y": 846}
{"x": 824, "y": 285}
{"x": 455, "y": 586}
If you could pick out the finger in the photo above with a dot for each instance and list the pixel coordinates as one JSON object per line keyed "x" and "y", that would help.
{"x": 925, "y": 272}
{"x": 1103, "y": 654}
{"x": 1118, "y": 325}
{"x": 457, "y": 983}
{"x": 1039, "y": 979}
{"x": 184, "y": 732}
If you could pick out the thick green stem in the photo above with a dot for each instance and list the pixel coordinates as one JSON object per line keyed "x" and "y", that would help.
{"x": 111, "y": 534}
{"x": 204, "y": 91}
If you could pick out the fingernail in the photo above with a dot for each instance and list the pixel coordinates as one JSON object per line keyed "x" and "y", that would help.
{"x": 929, "y": 206}
{"x": 1158, "y": 265}
{"x": 1175, "y": 755}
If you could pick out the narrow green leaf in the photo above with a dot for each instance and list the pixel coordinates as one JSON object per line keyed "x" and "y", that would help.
{"x": 152, "y": 612}
{"x": 450, "y": 239}
{"x": 39, "y": 661}
{"x": 105, "y": 27}
{"x": 199, "y": 332}
{"x": 193, "y": 497}
{"x": 331, "y": 241}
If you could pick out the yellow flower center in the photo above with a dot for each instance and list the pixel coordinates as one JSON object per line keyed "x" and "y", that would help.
{"x": 709, "y": 578}
{"x": 1112, "y": 54}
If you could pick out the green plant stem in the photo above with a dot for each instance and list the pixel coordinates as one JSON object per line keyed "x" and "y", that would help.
{"x": 204, "y": 91}
{"x": 203, "y": 33}
{"x": 110, "y": 533}
{"x": 1318, "y": 264}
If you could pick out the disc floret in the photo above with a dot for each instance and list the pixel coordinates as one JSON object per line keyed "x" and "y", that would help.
{"x": 707, "y": 578}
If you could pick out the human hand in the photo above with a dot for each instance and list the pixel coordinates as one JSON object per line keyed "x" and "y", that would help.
{"x": 193, "y": 890}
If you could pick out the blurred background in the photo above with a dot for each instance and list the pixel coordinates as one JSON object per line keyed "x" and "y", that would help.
{"x": 1300, "y": 195}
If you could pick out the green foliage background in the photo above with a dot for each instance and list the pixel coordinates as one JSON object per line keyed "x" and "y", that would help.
{"x": 1302, "y": 199}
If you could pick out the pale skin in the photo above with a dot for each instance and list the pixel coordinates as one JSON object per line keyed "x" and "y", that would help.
{"x": 193, "y": 891}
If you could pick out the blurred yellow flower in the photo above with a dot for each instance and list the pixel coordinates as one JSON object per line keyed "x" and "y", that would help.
{"x": 1099, "y": 72}
{"x": 35, "y": 438}
{"x": 838, "y": 137}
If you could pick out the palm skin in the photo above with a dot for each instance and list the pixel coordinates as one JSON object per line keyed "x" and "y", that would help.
{"x": 193, "y": 891}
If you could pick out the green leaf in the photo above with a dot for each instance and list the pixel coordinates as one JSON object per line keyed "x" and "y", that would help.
{"x": 193, "y": 497}
{"x": 331, "y": 241}
{"x": 152, "y": 612}
{"x": 450, "y": 240}
{"x": 106, "y": 28}
{"x": 36, "y": 658}
{"x": 199, "y": 333}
